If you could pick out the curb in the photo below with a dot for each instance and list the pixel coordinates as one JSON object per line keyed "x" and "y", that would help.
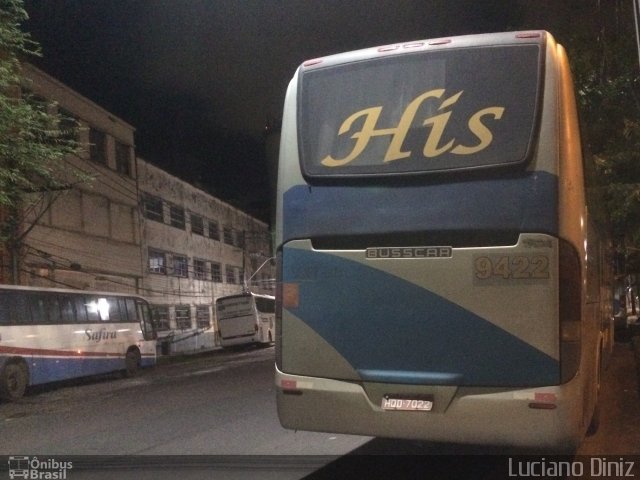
{"x": 187, "y": 357}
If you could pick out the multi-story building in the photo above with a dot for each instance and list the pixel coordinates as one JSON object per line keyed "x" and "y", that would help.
{"x": 196, "y": 248}
{"x": 136, "y": 228}
{"x": 88, "y": 236}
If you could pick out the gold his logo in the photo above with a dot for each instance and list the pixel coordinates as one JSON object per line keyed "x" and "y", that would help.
{"x": 433, "y": 146}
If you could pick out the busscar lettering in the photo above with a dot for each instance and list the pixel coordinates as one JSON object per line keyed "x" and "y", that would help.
{"x": 408, "y": 252}
{"x": 436, "y": 143}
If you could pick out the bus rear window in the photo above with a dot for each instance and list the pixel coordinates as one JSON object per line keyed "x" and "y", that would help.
{"x": 417, "y": 113}
{"x": 236, "y": 306}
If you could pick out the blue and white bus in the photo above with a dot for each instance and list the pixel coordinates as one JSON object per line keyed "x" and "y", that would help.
{"x": 440, "y": 276}
{"x": 48, "y": 335}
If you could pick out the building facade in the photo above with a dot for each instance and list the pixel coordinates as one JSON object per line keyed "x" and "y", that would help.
{"x": 136, "y": 228}
{"x": 88, "y": 236}
{"x": 196, "y": 248}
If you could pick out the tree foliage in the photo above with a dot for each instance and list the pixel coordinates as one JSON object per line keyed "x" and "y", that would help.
{"x": 602, "y": 48}
{"x": 34, "y": 138}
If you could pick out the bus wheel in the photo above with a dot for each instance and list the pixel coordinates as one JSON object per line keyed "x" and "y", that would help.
{"x": 132, "y": 362}
{"x": 13, "y": 381}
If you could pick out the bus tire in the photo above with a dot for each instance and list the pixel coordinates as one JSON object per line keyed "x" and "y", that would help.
{"x": 132, "y": 362}
{"x": 13, "y": 380}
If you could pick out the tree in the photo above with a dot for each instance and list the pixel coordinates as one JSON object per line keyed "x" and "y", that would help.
{"x": 34, "y": 140}
{"x": 605, "y": 64}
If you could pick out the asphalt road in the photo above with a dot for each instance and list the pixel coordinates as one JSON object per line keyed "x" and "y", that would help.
{"x": 217, "y": 414}
{"x": 214, "y": 413}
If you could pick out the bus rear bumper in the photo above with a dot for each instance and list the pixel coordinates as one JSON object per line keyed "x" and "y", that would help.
{"x": 539, "y": 418}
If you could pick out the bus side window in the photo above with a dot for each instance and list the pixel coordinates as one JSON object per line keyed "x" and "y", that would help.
{"x": 114, "y": 310}
{"x": 18, "y": 311}
{"x": 265, "y": 305}
{"x": 66, "y": 309}
{"x": 92, "y": 309}
{"x": 146, "y": 321}
{"x": 38, "y": 307}
{"x": 131, "y": 309}
{"x": 122, "y": 308}
{"x": 81, "y": 310}
{"x": 5, "y": 315}
{"x": 53, "y": 308}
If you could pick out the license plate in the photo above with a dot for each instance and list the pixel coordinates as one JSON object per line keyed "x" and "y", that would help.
{"x": 407, "y": 404}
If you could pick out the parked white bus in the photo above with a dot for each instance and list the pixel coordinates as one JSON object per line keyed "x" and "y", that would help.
{"x": 441, "y": 275}
{"x": 47, "y": 335}
{"x": 245, "y": 318}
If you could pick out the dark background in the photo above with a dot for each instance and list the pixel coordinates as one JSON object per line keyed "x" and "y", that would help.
{"x": 203, "y": 81}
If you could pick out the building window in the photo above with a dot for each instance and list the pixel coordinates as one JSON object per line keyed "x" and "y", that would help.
{"x": 203, "y": 316}
{"x": 228, "y": 235}
{"x": 200, "y": 269}
{"x": 157, "y": 261}
{"x": 180, "y": 266}
{"x": 176, "y": 217}
{"x": 183, "y": 317}
{"x": 123, "y": 159}
{"x": 68, "y": 124}
{"x": 197, "y": 224}
{"x": 214, "y": 230}
{"x": 216, "y": 272}
{"x": 161, "y": 317}
{"x": 230, "y": 273}
{"x": 152, "y": 207}
{"x": 98, "y": 146}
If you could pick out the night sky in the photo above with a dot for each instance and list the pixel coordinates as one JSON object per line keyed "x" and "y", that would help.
{"x": 200, "y": 79}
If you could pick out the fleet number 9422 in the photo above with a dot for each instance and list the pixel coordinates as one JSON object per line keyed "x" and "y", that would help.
{"x": 511, "y": 267}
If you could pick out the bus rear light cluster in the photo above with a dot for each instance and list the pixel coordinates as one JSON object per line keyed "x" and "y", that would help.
{"x": 288, "y": 384}
{"x": 529, "y": 35}
{"x": 569, "y": 310}
{"x": 290, "y": 295}
{"x": 441, "y": 41}
{"x": 313, "y": 61}
{"x": 544, "y": 401}
{"x": 388, "y": 48}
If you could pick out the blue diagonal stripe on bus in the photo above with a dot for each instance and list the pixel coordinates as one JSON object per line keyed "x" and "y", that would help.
{"x": 523, "y": 203}
{"x": 391, "y": 330}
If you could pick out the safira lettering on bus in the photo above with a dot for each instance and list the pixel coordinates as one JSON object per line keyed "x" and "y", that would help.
{"x": 100, "y": 335}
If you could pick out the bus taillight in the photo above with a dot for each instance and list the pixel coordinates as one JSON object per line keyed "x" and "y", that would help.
{"x": 570, "y": 310}
{"x": 529, "y": 35}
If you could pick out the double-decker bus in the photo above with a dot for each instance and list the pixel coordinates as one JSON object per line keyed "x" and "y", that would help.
{"x": 48, "y": 335}
{"x": 246, "y": 318}
{"x": 440, "y": 275}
